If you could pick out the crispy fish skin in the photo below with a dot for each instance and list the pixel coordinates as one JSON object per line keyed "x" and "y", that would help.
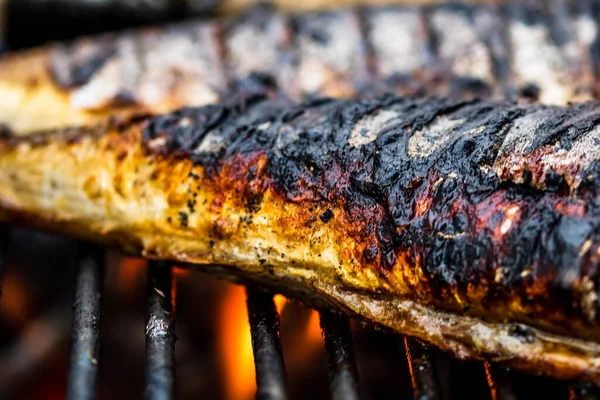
{"x": 519, "y": 50}
{"x": 474, "y": 225}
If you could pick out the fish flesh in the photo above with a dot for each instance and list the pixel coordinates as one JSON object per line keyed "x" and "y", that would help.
{"x": 518, "y": 50}
{"x": 471, "y": 224}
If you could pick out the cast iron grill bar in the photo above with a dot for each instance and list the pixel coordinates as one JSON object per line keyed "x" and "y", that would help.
{"x": 85, "y": 334}
{"x": 343, "y": 375}
{"x": 498, "y": 378}
{"x": 160, "y": 334}
{"x": 422, "y": 371}
{"x": 266, "y": 346}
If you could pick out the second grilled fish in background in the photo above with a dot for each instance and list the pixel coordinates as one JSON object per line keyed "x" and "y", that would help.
{"x": 545, "y": 52}
{"x": 473, "y": 225}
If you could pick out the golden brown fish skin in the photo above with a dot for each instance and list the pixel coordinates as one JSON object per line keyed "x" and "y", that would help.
{"x": 517, "y": 50}
{"x": 472, "y": 225}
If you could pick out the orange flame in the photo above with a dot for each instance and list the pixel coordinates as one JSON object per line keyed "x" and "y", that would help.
{"x": 131, "y": 271}
{"x": 181, "y": 272}
{"x": 173, "y": 293}
{"x": 235, "y": 346}
{"x": 313, "y": 330}
{"x": 235, "y": 343}
{"x": 306, "y": 346}
{"x": 280, "y": 302}
{"x": 14, "y": 303}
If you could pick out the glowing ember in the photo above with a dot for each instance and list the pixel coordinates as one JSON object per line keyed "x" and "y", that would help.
{"x": 505, "y": 226}
{"x": 490, "y": 380}
{"x": 512, "y": 210}
{"x": 512, "y": 213}
{"x": 422, "y": 206}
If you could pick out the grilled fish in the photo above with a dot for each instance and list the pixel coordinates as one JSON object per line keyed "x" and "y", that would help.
{"x": 519, "y": 50}
{"x": 473, "y": 225}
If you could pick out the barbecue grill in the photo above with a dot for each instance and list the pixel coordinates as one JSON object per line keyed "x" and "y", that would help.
{"x": 425, "y": 378}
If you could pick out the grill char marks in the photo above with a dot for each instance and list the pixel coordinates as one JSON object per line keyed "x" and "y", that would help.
{"x": 530, "y": 50}
{"x": 396, "y": 61}
{"x": 73, "y": 67}
{"x": 461, "y": 36}
{"x": 156, "y": 68}
{"x": 331, "y": 54}
{"x": 259, "y": 44}
{"x": 471, "y": 206}
{"x": 550, "y": 45}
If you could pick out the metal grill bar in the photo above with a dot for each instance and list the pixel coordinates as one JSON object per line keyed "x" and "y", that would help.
{"x": 266, "y": 346}
{"x": 160, "y": 334}
{"x": 343, "y": 375}
{"x": 422, "y": 372}
{"x": 85, "y": 334}
{"x": 501, "y": 387}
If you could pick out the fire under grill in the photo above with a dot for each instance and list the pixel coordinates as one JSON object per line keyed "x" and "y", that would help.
{"x": 425, "y": 378}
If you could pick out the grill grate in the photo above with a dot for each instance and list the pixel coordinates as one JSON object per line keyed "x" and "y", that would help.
{"x": 264, "y": 325}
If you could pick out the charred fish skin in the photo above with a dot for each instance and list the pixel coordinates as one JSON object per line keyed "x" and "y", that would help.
{"x": 519, "y": 50}
{"x": 451, "y": 189}
{"x": 471, "y": 224}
